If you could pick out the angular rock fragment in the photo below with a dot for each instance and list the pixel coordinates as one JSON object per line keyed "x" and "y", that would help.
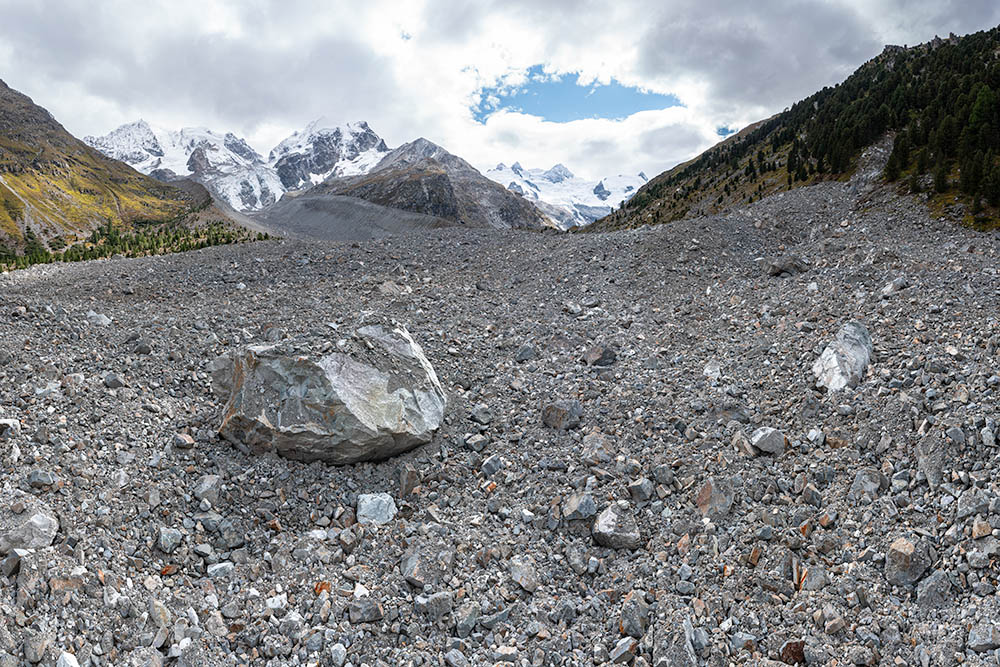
{"x": 522, "y": 571}
{"x": 786, "y": 265}
{"x": 562, "y": 415}
{"x": 375, "y": 398}
{"x": 934, "y": 590}
{"x": 906, "y": 561}
{"x": 715, "y": 498}
{"x": 984, "y": 636}
{"x": 769, "y": 440}
{"x": 616, "y": 528}
{"x": 599, "y": 355}
{"x": 376, "y": 508}
{"x": 31, "y": 530}
{"x": 844, "y": 360}
{"x": 579, "y": 506}
{"x": 635, "y": 615}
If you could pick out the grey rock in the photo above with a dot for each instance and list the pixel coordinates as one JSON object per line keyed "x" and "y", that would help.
{"x": 523, "y": 572}
{"x": 454, "y": 658}
{"x": 844, "y": 361}
{"x": 338, "y": 655}
{"x": 207, "y": 488}
{"x": 376, "y": 508}
{"x": 365, "y": 610}
{"x": 36, "y": 531}
{"x": 379, "y": 398}
{"x": 984, "y": 636}
{"x": 931, "y": 452}
{"x": 220, "y": 570}
{"x": 600, "y": 355}
{"x": 935, "y": 590}
{"x": 39, "y": 479}
{"x": 616, "y": 528}
{"x": 906, "y": 561}
{"x": 435, "y": 605}
{"x": 769, "y": 440}
{"x": 635, "y": 615}
{"x": 715, "y": 498}
{"x": 465, "y": 619}
{"x": 579, "y": 506}
{"x": 562, "y": 415}
{"x": 169, "y": 539}
{"x": 112, "y": 381}
{"x": 624, "y": 650}
{"x": 67, "y": 660}
{"x": 786, "y": 265}
{"x": 868, "y": 483}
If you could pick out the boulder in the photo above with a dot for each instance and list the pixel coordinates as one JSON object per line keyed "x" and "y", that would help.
{"x": 845, "y": 359}
{"x": 906, "y": 561}
{"x": 375, "y": 397}
{"x": 25, "y": 522}
{"x": 715, "y": 498}
{"x": 786, "y": 265}
{"x": 769, "y": 440}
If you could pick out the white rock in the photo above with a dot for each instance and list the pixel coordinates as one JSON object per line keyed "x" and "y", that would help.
{"x": 36, "y": 532}
{"x": 67, "y": 660}
{"x": 376, "y": 508}
{"x": 769, "y": 440}
{"x": 845, "y": 359}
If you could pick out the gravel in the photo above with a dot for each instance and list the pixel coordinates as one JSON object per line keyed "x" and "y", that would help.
{"x": 593, "y": 494}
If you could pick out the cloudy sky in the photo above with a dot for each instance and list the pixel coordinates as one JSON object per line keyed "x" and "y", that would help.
{"x": 602, "y": 86}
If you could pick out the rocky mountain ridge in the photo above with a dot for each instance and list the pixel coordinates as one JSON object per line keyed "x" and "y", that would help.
{"x": 568, "y": 199}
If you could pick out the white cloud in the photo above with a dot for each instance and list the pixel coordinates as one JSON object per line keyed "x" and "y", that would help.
{"x": 263, "y": 69}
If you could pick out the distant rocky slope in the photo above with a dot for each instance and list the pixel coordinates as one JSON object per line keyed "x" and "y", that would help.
{"x": 569, "y": 200}
{"x": 324, "y": 150}
{"x": 54, "y": 189}
{"x": 939, "y": 99}
{"x": 421, "y": 177}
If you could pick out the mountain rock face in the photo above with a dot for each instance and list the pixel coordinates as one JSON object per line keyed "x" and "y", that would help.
{"x": 224, "y": 163}
{"x": 324, "y": 150}
{"x": 232, "y": 170}
{"x": 570, "y": 200}
{"x": 423, "y": 177}
{"x": 54, "y": 186}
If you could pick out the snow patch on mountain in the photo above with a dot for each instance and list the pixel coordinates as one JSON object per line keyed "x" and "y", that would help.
{"x": 326, "y": 150}
{"x": 570, "y": 200}
{"x": 224, "y": 163}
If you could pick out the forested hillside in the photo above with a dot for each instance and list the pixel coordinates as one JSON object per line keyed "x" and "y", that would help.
{"x": 940, "y": 99}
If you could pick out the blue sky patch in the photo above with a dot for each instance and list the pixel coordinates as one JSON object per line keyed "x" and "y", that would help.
{"x": 724, "y": 131}
{"x": 560, "y": 99}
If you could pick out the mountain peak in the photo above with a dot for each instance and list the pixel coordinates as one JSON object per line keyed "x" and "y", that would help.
{"x": 558, "y": 174}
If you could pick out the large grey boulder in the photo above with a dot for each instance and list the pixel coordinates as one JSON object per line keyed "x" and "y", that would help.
{"x": 32, "y": 525}
{"x": 845, "y": 359}
{"x": 375, "y": 397}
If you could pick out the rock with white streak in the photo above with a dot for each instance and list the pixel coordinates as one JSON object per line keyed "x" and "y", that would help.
{"x": 845, "y": 359}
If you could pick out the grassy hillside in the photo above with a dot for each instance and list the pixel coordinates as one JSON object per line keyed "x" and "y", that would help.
{"x": 941, "y": 99}
{"x": 55, "y": 190}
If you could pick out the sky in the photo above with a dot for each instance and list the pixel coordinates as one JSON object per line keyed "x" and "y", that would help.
{"x": 603, "y": 87}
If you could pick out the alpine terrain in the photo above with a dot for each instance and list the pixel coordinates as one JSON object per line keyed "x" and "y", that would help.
{"x": 234, "y": 172}
{"x": 55, "y": 190}
{"x": 418, "y": 432}
{"x": 569, "y": 200}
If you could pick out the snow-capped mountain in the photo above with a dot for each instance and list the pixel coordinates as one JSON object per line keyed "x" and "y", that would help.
{"x": 228, "y": 166}
{"x": 224, "y": 163}
{"x": 324, "y": 150}
{"x": 568, "y": 199}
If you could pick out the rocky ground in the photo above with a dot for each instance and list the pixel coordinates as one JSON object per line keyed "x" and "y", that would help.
{"x": 640, "y": 525}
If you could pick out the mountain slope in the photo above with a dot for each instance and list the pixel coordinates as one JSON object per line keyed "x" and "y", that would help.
{"x": 570, "y": 200}
{"x": 226, "y": 164}
{"x": 423, "y": 177}
{"x": 940, "y": 100}
{"x": 55, "y": 189}
{"x": 324, "y": 150}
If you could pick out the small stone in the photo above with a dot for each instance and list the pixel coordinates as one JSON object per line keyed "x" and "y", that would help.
{"x": 522, "y": 571}
{"x": 169, "y": 539}
{"x": 477, "y": 442}
{"x": 112, "y": 381}
{"x": 338, "y": 655}
{"x": 219, "y": 570}
{"x": 769, "y": 440}
{"x": 67, "y": 660}
{"x": 435, "y": 606}
{"x": 491, "y": 465}
{"x": 377, "y": 508}
{"x": 10, "y": 565}
{"x": 207, "y": 488}
{"x": 409, "y": 479}
{"x": 868, "y": 483}
{"x": 599, "y": 355}
{"x": 715, "y": 498}
{"x": 579, "y": 506}
{"x": 624, "y": 650}
{"x": 562, "y": 415}
{"x": 935, "y": 590}
{"x": 615, "y": 528}
{"x": 465, "y": 619}
{"x": 981, "y": 528}
{"x": 906, "y": 561}
{"x": 525, "y": 353}
{"x": 183, "y": 441}
{"x": 635, "y": 615}
{"x": 833, "y": 622}
{"x": 39, "y": 479}
{"x": 641, "y": 490}
{"x": 984, "y": 636}
{"x": 364, "y": 610}
{"x": 454, "y": 658}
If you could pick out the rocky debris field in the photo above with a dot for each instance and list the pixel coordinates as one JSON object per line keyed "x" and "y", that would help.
{"x": 635, "y": 466}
